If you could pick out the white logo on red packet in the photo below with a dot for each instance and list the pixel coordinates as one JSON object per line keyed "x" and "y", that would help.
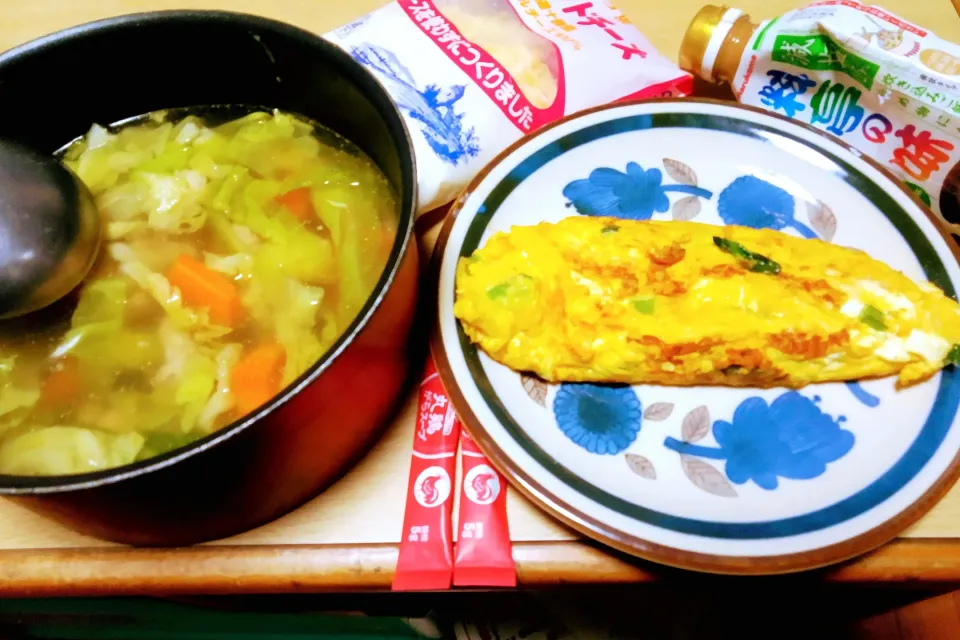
{"x": 432, "y": 487}
{"x": 448, "y": 419}
{"x": 481, "y": 484}
{"x": 434, "y": 415}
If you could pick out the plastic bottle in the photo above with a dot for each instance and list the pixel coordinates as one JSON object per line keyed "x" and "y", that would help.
{"x": 888, "y": 87}
{"x": 715, "y": 43}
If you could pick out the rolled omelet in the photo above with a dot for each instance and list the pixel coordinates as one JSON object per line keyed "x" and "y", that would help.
{"x": 682, "y": 303}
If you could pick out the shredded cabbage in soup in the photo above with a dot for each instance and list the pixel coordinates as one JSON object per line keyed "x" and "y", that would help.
{"x": 235, "y": 256}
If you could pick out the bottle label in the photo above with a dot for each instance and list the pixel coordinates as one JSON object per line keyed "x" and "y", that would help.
{"x": 889, "y": 88}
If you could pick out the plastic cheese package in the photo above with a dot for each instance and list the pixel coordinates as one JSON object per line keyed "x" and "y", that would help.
{"x": 473, "y": 76}
{"x": 888, "y": 87}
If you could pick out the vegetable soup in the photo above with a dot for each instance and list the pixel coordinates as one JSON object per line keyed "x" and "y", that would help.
{"x": 234, "y": 256}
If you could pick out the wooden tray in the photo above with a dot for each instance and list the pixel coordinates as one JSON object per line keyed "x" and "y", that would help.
{"x": 347, "y": 538}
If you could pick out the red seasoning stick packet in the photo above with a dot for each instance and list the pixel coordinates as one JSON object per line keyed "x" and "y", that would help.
{"x": 484, "y": 555}
{"x": 426, "y": 545}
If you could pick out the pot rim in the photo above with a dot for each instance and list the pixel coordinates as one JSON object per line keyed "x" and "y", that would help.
{"x": 373, "y": 89}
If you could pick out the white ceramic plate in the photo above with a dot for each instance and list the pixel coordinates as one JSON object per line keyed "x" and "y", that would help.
{"x": 708, "y": 478}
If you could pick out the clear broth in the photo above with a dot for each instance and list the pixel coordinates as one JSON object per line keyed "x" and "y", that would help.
{"x": 239, "y": 245}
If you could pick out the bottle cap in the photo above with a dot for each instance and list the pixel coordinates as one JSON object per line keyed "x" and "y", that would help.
{"x": 704, "y": 37}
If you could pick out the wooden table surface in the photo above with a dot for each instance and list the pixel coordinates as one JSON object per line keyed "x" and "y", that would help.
{"x": 347, "y": 538}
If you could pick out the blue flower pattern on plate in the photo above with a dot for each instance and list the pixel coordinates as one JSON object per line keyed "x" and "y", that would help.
{"x": 602, "y": 419}
{"x": 749, "y": 201}
{"x": 789, "y": 438}
{"x": 635, "y": 194}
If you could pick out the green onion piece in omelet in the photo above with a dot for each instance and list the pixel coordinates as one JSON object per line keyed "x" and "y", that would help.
{"x": 498, "y": 291}
{"x": 953, "y": 356}
{"x": 873, "y": 318}
{"x": 644, "y": 305}
{"x": 514, "y": 285}
{"x": 752, "y": 261}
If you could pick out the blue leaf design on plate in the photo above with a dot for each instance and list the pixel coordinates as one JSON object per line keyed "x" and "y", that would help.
{"x": 862, "y": 394}
{"x": 635, "y": 194}
{"x": 790, "y": 438}
{"x": 749, "y": 201}
{"x": 602, "y": 419}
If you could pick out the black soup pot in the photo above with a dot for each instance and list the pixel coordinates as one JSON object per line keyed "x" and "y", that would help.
{"x": 52, "y": 90}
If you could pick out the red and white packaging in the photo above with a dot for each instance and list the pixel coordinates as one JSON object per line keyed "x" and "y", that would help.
{"x": 473, "y": 76}
{"x": 484, "y": 554}
{"x": 426, "y": 545}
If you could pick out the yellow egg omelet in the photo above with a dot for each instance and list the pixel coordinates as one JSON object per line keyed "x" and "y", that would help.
{"x": 682, "y": 303}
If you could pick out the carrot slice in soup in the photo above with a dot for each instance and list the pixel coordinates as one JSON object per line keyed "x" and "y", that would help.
{"x": 299, "y": 202}
{"x": 63, "y": 384}
{"x": 256, "y": 378}
{"x": 202, "y": 287}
